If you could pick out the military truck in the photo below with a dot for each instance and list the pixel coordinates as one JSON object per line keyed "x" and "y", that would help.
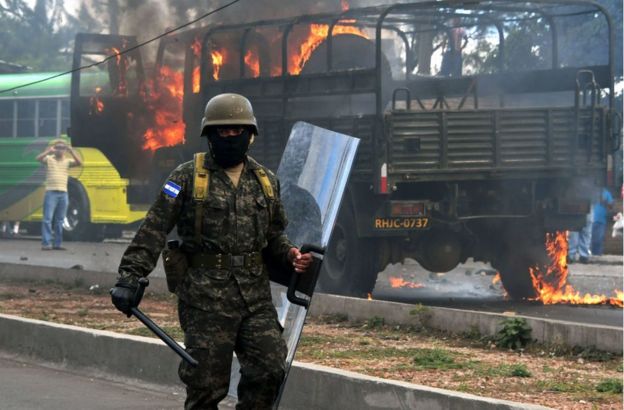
{"x": 480, "y": 129}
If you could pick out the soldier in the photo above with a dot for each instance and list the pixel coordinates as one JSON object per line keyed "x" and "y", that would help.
{"x": 228, "y": 237}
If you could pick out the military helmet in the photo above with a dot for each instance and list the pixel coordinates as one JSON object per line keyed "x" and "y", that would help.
{"x": 228, "y": 109}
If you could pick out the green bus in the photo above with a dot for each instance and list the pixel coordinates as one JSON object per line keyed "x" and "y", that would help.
{"x": 32, "y": 116}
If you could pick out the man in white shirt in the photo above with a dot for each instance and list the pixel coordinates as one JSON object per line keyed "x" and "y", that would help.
{"x": 55, "y": 200}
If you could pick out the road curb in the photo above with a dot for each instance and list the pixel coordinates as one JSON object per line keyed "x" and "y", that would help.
{"x": 606, "y": 338}
{"x": 149, "y": 360}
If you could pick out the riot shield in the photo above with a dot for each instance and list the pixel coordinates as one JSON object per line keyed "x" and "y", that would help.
{"x": 313, "y": 174}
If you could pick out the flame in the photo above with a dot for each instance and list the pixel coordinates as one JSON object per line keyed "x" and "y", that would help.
{"x": 121, "y": 62}
{"x": 253, "y": 63}
{"x": 196, "y": 47}
{"x": 370, "y": 296}
{"x": 496, "y": 278}
{"x": 397, "y": 282}
{"x": 318, "y": 34}
{"x": 115, "y": 51}
{"x": 97, "y": 105}
{"x": 552, "y": 285}
{"x": 165, "y": 101}
{"x": 218, "y": 57}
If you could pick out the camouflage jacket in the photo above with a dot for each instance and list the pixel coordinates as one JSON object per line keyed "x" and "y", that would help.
{"x": 236, "y": 220}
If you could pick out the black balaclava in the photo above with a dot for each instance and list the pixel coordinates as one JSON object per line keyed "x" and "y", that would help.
{"x": 228, "y": 151}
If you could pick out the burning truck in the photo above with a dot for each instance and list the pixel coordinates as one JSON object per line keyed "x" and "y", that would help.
{"x": 464, "y": 152}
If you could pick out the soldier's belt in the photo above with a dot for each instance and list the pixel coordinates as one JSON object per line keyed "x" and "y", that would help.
{"x": 225, "y": 260}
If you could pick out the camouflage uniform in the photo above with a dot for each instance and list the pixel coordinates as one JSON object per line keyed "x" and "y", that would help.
{"x": 222, "y": 310}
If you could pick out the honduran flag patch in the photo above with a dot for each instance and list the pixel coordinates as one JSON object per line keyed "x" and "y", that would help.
{"x": 171, "y": 189}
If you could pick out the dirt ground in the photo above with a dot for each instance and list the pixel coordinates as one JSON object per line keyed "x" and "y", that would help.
{"x": 545, "y": 375}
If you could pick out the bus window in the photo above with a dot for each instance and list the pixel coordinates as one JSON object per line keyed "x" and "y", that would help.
{"x": 7, "y": 111}
{"x": 25, "y": 118}
{"x": 47, "y": 121}
{"x": 94, "y": 80}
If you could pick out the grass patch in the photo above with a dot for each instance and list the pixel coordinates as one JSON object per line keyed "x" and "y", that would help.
{"x": 563, "y": 387}
{"x": 504, "y": 370}
{"x": 610, "y": 386}
{"x": 435, "y": 359}
{"x": 173, "y": 331}
{"x": 319, "y": 340}
{"x": 375, "y": 322}
{"x": 517, "y": 370}
{"x": 83, "y": 312}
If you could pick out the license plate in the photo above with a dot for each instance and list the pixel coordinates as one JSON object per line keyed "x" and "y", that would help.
{"x": 402, "y": 223}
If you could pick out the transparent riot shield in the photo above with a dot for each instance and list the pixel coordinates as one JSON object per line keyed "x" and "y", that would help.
{"x": 313, "y": 175}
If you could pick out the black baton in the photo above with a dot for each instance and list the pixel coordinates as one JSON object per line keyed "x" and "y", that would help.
{"x": 162, "y": 335}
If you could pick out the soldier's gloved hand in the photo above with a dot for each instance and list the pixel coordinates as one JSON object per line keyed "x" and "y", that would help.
{"x": 300, "y": 261}
{"x": 122, "y": 296}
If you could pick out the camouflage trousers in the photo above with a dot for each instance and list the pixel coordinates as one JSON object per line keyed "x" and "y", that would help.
{"x": 212, "y": 336}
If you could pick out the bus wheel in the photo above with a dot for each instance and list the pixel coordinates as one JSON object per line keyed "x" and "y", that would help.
{"x": 77, "y": 224}
{"x": 349, "y": 266}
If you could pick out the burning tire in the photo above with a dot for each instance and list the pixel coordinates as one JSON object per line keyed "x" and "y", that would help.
{"x": 350, "y": 265}
{"x": 514, "y": 265}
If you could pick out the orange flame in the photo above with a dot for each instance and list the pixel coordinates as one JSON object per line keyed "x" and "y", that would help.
{"x": 121, "y": 62}
{"x": 97, "y": 105}
{"x": 496, "y": 278}
{"x": 165, "y": 100}
{"x": 218, "y": 57}
{"x": 397, "y": 282}
{"x": 196, "y": 47}
{"x": 318, "y": 34}
{"x": 552, "y": 285}
{"x": 253, "y": 63}
{"x": 370, "y": 296}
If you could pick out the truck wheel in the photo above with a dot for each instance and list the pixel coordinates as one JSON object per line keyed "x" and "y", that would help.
{"x": 77, "y": 225}
{"x": 514, "y": 269}
{"x": 349, "y": 266}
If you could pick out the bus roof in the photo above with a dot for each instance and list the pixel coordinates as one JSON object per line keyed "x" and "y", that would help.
{"x": 59, "y": 86}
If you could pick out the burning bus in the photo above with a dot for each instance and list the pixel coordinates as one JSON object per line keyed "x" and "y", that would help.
{"x": 466, "y": 150}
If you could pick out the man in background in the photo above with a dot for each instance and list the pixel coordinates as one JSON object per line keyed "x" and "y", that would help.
{"x": 599, "y": 226}
{"x": 55, "y": 202}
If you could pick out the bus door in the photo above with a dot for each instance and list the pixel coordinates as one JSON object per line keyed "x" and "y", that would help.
{"x": 108, "y": 108}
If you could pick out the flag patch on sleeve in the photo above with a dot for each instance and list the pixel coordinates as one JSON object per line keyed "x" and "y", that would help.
{"x": 171, "y": 189}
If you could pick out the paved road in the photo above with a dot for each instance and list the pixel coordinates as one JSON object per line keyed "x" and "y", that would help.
{"x": 29, "y": 386}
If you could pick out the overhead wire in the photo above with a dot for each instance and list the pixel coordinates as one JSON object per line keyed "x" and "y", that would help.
{"x": 115, "y": 55}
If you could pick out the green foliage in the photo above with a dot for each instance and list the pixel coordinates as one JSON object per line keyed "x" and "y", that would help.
{"x": 563, "y": 387}
{"x": 375, "y": 322}
{"x": 515, "y": 333}
{"x": 517, "y": 370}
{"x": 435, "y": 359}
{"x": 610, "y": 386}
{"x": 419, "y": 309}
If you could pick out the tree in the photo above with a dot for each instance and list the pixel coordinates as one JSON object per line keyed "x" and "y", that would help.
{"x": 36, "y": 37}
